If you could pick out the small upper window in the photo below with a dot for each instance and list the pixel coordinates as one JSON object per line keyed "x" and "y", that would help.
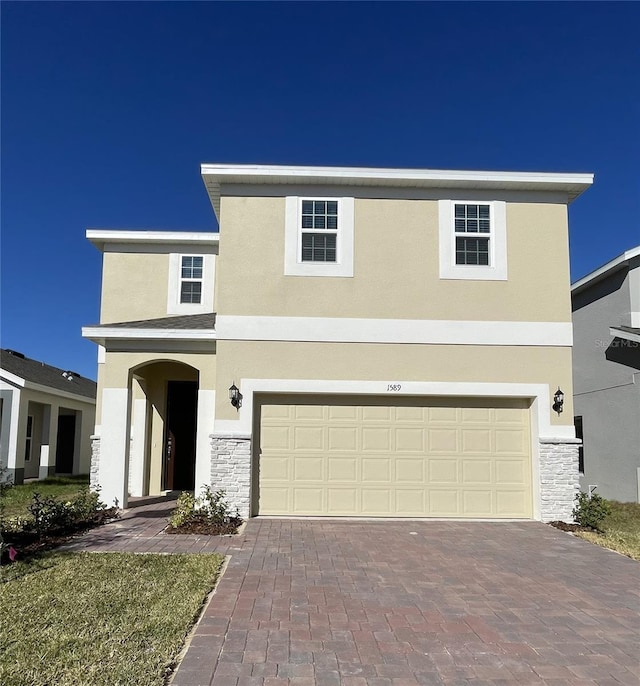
{"x": 191, "y": 279}
{"x": 472, "y": 219}
{"x": 319, "y": 227}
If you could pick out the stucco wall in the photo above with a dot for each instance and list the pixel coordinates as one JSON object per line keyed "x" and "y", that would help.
{"x": 607, "y": 391}
{"x": 396, "y": 266}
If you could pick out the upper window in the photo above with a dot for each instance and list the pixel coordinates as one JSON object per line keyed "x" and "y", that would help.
{"x": 319, "y": 227}
{"x": 319, "y": 236}
{"x": 191, "y": 282}
{"x": 191, "y": 279}
{"x": 473, "y": 240}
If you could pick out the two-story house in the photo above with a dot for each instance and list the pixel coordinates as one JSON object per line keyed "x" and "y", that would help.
{"x": 386, "y": 342}
{"x": 606, "y": 363}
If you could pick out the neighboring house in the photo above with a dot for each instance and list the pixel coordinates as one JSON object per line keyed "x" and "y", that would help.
{"x": 47, "y": 418}
{"x": 606, "y": 376}
{"x": 386, "y": 342}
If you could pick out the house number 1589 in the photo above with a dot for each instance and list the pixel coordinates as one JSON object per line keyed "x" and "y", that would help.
{"x": 394, "y": 387}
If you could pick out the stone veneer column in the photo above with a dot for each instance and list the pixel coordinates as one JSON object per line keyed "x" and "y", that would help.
{"x": 559, "y": 478}
{"x": 231, "y": 470}
{"x": 95, "y": 463}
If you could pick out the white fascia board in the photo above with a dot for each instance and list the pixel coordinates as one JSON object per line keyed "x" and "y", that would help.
{"x": 102, "y": 237}
{"x": 434, "y": 332}
{"x": 601, "y": 272}
{"x": 214, "y": 175}
{"x": 627, "y": 335}
{"x": 99, "y": 335}
{"x": 12, "y": 378}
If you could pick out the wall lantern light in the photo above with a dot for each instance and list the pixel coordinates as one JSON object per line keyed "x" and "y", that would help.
{"x": 235, "y": 396}
{"x": 558, "y": 401}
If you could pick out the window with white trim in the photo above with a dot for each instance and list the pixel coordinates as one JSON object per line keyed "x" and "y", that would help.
{"x": 473, "y": 240}
{"x": 319, "y": 236}
{"x": 319, "y": 230}
{"x": 191, "y": 279}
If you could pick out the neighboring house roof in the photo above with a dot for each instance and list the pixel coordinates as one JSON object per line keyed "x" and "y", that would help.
{"x": 43, "y": 374}
{"x": 629, "y": 333}
{"x": 602, "y": 272}
{"x": 214, "y": 175}
{"x": 185, "y": 327}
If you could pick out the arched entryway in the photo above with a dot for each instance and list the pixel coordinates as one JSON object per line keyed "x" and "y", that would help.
{"x": 164, "y": 411}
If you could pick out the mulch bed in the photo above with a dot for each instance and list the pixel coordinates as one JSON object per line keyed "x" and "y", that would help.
{"x": 204, "y": 528}
{"x": 29, "y": 543}
{"x": 563, "y": 526}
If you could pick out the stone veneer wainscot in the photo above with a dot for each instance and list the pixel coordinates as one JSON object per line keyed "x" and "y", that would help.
{"x": 559, "y": 479}
{"x": 231, "y": 470}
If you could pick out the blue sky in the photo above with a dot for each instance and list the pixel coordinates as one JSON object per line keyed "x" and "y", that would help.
{"x": 108, "y": 109}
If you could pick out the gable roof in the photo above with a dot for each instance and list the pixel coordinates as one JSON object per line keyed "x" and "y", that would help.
{"x": 214, "y": 175}
{"x": 46, "y": 375}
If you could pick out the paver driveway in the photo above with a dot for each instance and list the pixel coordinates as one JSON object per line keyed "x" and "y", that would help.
{"x": 393, "y": 603}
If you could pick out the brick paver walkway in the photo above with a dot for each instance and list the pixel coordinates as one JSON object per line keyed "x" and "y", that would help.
{"x": 326, "y": 602}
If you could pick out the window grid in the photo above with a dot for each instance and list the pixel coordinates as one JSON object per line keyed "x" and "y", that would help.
{"x": 319, "y": 229}
{"x": 191, "y": 273}
{"x": 472, "y": 218}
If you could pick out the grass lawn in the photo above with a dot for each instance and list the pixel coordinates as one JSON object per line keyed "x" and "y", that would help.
{"x": 18, "y": 498}
{"x": 621, "y": 530}
{"x": 99, "y": 619}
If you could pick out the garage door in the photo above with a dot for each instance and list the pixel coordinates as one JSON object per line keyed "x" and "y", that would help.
{"x": 416, "y": 458}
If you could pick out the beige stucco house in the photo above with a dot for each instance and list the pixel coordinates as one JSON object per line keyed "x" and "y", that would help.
{"x": 47, "y": 417}
{"x": 354, "y": 342}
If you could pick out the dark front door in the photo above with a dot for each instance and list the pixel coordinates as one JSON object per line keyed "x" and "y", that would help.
{"x": 66, "y": 443}
{"x": 180, "y": 436}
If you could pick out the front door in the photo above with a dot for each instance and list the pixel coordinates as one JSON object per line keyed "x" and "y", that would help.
{"x": 66, "y": 443}
{"x": 180, "y": 436}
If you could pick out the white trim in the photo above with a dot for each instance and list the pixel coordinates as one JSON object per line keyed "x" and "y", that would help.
{"x": 99, "y": 334}
{"x": 610, "y": 266}
{"x": 12, "y": 378}
{"x": 204, "y": 428}
{"x": 102, "y": 354}
{"x": 214, "y": 175}
{"x": 541, "y": 393}
{"x": 627, "y": 335}
{"x": 634, "y": 296}
{"x": 497, "y": 268}
{"x": 438, "y": 332}
{"x": 174, "y": 306}
{"x": 101, "y": 237}
{"x": 293, "y": 264}
{"x": 9, "y": 433}
{"x": 114, "y": 446}
{"x": 138, "y": 446}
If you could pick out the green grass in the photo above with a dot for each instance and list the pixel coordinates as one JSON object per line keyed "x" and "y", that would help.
{"x": 18, "y": 498}
{"x": 99, "y": 619}
{"x": 621, "y": 530}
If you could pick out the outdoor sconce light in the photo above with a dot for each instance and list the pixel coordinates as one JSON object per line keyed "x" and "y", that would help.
{"x": 235, "y": 396}
{"x": 558, "y": 401}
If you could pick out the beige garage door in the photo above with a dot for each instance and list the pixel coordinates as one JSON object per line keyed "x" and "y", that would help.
{"x": 417, "y": 458}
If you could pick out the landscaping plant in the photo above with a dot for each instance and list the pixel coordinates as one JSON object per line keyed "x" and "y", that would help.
{"x": 590, "y": 510}
{"x": 208, "y": 513}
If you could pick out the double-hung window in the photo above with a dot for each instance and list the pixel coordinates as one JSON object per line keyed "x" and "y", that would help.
{"x": 473, "y": 240}
{"x": 319, "y": 230}
{"x": 319, "y": 236}
{"x": 472, "y": 227}
{"x": 191, "y": 279}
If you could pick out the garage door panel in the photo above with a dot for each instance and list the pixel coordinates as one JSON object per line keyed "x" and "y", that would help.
{"x": 443, "y": 440}
{"x": 342, "y": 438}
{"x": 476, "y": 441}
{"x": 410, "y": 440}
{"x": 376, "y": 440}
{"x": 476, "y": 471}
{"x": 443, "y": 471}
{"x": 426, "y": 459}
{"x": 341, "y": 469}
{"x": 410, "y": 469}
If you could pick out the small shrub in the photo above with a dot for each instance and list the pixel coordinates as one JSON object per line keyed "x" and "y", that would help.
{"x": 185, "y": 510}
{"x": 590, "y": 510}
{"x": 215, "y": 506}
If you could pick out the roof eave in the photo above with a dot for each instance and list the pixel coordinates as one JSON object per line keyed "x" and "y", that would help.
{"x": 610, "y": 267}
